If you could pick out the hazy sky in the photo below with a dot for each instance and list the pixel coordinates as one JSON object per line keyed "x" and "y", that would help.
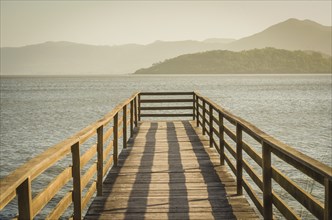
{"x": 121, "y": 22}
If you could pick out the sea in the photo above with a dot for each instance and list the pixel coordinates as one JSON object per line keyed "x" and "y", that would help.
{"x": 39, "y": 112}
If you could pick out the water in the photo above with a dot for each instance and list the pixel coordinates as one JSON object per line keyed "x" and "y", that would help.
{"x": 39, "y": 112}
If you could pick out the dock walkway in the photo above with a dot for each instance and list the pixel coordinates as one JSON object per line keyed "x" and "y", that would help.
{"x": 168, "y": 171}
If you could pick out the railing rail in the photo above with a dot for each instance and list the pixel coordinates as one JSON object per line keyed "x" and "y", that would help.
{"x": 18, "y": 183}
{"x": 210, "y": 117}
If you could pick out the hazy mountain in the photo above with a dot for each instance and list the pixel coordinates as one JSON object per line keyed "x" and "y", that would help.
{"x": 267, "y": 60}
{"x": 292, "y": 34}
{"x": 72, "y": 58}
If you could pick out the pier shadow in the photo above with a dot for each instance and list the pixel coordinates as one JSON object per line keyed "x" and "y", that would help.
{"x": 138, "y": 198}
{"x": 220, "y": 206}
{"x": 178, "y": 196}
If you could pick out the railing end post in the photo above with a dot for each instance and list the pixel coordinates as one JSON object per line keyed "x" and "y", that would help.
{"x": 328, "y": 199}
{"x": 267, "y": 181}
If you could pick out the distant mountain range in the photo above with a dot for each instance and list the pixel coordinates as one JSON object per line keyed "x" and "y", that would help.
{"x": 55, "y": 58}
{"x": 267, "y": 60}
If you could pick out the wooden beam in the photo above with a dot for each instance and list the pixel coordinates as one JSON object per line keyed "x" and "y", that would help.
{"x": 221, "y": 138}
{"x": 77, "y": 190}
{"x": 131, "y": 118}
{"x": 124, "y": 126}
{"x": 100, "y": 160}
{"x": 239, "y": 159}
{"x": 267, "y": 181}
{"x": 115, "y": 140}
{"x": 25, "y": 200}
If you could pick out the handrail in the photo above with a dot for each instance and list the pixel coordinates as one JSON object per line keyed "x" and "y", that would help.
{"x": 210, "y": 117}
{"x": 321, "y": 173}
{"x": 19, "y": 181}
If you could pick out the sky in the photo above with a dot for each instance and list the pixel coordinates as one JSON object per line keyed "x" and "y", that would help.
{"x": 143, "y": 22}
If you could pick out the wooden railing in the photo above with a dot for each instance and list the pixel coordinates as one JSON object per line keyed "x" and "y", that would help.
{"x": 209, "y": 116}
{"x": 165, "y": 104}
{"x": 19, "y": 183}
{"x": 212, "y": 118}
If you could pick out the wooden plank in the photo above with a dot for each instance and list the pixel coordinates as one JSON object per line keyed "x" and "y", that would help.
{"x": 230, "y": 133}
{"x": 89, "y": 194}
{"x": 165, "y": 100}
{"x": 167, "y": 115}
{"x": 87, "y": 156}
{"x": 306, "y": 199}
{"x": 87, "y": 177}
{"x": 61, "y": 207}
{"x": 166, "y": 93}
{"x": 107, "y": 134}
{"x": 107, "y": 165}
{"x": 50, "y": 191}
{"x": 253, "y": 174}
{"x": 284, "y": 208}
{"x": 167, "y": 108}
{"x": 108, "y": 149}
{"x": 7, "y": 200}
{"x": 258, "y": 203}
{"x": 252, "y": 153}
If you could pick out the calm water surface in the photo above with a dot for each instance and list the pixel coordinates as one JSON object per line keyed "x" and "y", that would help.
{"x": 39, "y": 112}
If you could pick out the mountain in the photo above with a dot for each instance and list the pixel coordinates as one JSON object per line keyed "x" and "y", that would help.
{"x": 71, "y": 58}
{"x": 267, "y": 60}
{"x": 292, "y": 34}
{"x": 55, "y": 58}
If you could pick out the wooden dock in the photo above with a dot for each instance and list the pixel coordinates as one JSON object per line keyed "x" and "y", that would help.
{"x": 132, "y": 164}
{"x": 169, "y": 171}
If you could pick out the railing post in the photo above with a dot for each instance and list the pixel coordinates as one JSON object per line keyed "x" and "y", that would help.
{"x": 131, "y": 118}
{"x": 204, "y": 119}
{"x": 139, "y": 107}
{"x": 115, "y": 140}
{"x": 239, "y": 159}
{"x": 77, "y": 191}
{"x": 328, "y": 199}
{"x": 194, "y": 111}
{"x": 136, "y": 112}
{"x": 124, "y": 126}
{"x": 100, "y": 160}
{"x": 221, "y": 139}
{"x": 211, "y": 125}
{"x": 25, "y": 200}
{"x": 267, "y": 181}
{"x": 197, "y": 112}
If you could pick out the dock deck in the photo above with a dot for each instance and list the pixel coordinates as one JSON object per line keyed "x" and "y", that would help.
{"x": 168, "y": 171}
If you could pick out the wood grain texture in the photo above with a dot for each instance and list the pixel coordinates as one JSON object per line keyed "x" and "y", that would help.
{"x": 168, "y": 171}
